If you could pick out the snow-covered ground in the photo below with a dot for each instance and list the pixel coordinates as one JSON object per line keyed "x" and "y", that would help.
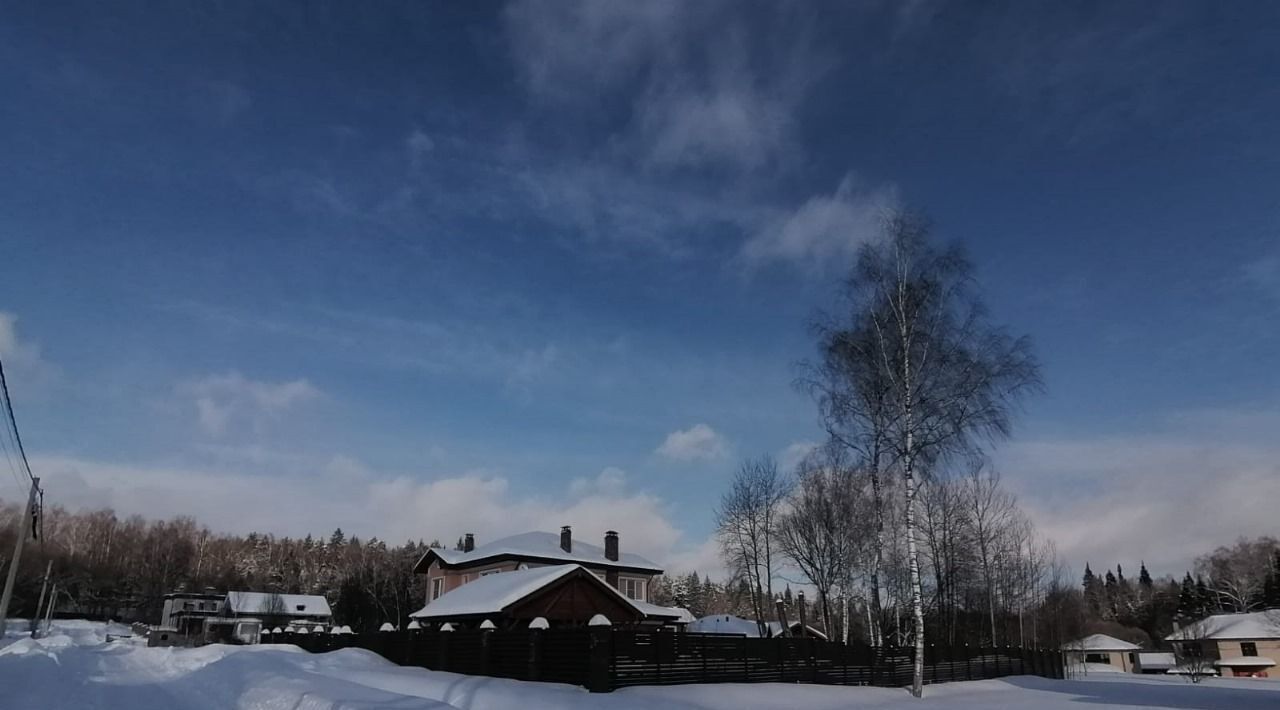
{"x": 75, "y": 667}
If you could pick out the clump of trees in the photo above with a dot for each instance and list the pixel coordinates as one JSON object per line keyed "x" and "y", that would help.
{"x": 913, "y": 384}
{"x": 109, "y": 567}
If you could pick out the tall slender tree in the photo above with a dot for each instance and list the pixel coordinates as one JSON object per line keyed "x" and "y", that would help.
{"x": 951, "y": 379}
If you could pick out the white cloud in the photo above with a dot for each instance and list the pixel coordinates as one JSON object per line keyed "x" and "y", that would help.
{"x": 826, "y": 230}
{"x": 1163, "y": 499}
{"x": 705, "y": 91}
{"x": 697, "y": 443}
{"x": 795, "y": 452}
{"x": 15, "y": 351}
{"x": 611, "y": 481}
{"x": 220, "y": 400}
{"x": 23, "y": 359}
{"x": 345, "y": 493}
{"x": 1264, "y": 274}
{"x": 418, "y": 145}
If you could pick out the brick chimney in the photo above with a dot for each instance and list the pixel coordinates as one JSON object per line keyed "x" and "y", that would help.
{"x": 611, "y": 545}
{"x": 469, "y": 542}
{"x": 566, "y": 539}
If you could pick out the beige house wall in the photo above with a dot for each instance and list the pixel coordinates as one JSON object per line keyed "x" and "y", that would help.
{"x": 1121, "y": 660}
{"x": 454, "y": 578}
{"x": 1267, "y": 648}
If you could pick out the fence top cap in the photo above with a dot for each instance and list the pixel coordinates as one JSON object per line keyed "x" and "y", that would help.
{"x": 446, "y": 626}
{"x": 599, "y": 620}
{"x": 487, "y": 625}
{"x": 539, "y": 623}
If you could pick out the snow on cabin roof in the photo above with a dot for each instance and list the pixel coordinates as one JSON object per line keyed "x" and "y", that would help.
{"x": 294, "y": 604}
{"x": 679, "y": 614}
{"x": 724, "y": 624}
{"x": 1156, "y": 660}
{"x": 493, "y": 593}
{"x": 1100, "y": 642}
{"x": 1245, "y": 662}
{"x": 1251, "y": 625}
{"x": 542, "y": 545}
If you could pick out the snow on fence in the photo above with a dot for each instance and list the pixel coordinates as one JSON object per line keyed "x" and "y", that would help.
{"x": 604, "y": 659}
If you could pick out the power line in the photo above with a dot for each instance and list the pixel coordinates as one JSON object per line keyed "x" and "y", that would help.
{"x": 13, "y": 422}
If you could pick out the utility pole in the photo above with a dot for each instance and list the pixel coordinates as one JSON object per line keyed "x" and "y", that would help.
{"x": 35, "y": 627}
{"x": 24, "y": 522}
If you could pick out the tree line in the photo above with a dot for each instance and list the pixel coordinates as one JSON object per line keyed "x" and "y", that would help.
{"x": 1242, "y": 577}
{"x": 106, "y": 566}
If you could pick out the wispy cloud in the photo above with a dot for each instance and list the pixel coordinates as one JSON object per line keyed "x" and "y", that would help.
{"x": 1264, "y": 274}
{"x": 697, "y": 443}
{"x": 1164, "y": 498}
{"x": 418, "y": 146}
{"x": 704, "y": 91}
{"x": 223, "y": 401}
{"x": 826, "y": 230}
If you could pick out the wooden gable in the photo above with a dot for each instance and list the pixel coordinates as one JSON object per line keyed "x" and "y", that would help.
{"x": 574, "y": 598}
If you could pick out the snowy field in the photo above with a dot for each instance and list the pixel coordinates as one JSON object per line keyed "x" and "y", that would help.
{"x": 75, "y": 667}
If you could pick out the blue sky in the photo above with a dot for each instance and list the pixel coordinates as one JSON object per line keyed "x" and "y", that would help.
{"x": 424, "y": 268}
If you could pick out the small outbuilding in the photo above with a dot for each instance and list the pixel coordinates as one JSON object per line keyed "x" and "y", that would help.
{"x": 1100, "y": 652}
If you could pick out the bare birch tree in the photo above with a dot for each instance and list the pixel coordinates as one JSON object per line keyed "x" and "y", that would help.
{"x": 822, "y": 530}
{"x": 746, "y": 522}
{"x": 855, "y": 403}
{"x": 952, "y": 378}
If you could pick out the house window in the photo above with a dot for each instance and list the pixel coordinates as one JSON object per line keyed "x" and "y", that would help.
{"x": 631, "y": 588}
{"x": 1248, "y": 648}
{"x": 437, "y": 587}
{"x": 1103, "y": 658}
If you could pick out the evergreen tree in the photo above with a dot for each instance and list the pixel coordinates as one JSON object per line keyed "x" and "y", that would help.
{"x": 337, "y": 539}
{"x": 1093, "y": 594}
{"x": 1206, "y": 603}
{"x": 1271, "y": 586}
{"x": 1188, "y": 601}
{"x": 1144, "y": 580}
{"x": 1111, "y": 596}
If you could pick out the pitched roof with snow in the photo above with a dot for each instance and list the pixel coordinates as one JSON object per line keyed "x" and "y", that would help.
{"x": 536, "y": 545}
{"x": 724, "y": 624}
{"x": 294, "y": 604}
{"x": 1226, "y": 627}
{"x": 1100, "y": 642}
{"x": 493, "y": 593}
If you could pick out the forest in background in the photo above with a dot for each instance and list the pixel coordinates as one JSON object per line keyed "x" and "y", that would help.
{"x": 111, "y": 567}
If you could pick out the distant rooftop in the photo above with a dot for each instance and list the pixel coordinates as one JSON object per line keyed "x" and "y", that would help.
{"x": 542, "y": 545}
{"x": 1251, "y": 625}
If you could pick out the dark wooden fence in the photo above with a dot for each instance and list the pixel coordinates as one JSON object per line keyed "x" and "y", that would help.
{"x": 606, "y": 659}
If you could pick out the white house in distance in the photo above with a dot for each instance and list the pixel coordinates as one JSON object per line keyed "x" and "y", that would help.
{"x": 1102, "y": 654}
{"x": 1241, "y": 645}
{"x": 278, "y": 609}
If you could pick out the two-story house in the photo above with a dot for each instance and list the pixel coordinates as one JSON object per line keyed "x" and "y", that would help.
{"x": 1241, "y": 645}
{"x": 588, "y": 580}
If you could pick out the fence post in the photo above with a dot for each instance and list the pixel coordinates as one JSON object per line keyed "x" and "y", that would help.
{"x": 535, "y": 654}
{"x": 442, "y": 650}
{"x": 599, "y": 659}
{"x": 812, "y": 643}
{"x": 486, "y": 647}
{"x": 873, "y": 653}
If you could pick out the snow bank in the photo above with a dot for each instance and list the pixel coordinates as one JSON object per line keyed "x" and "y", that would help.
{"x": 76, "y": 668}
